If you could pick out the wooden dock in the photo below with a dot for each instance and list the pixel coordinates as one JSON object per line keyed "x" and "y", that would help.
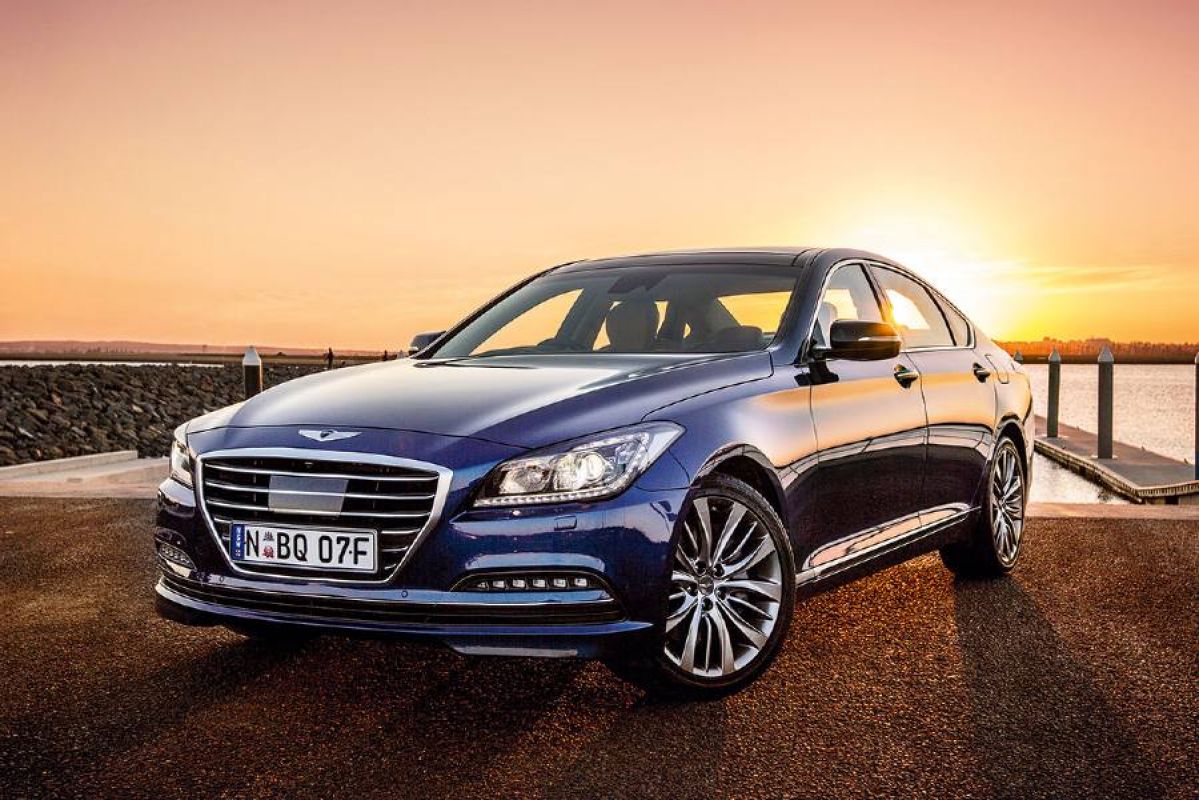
{"x": 1134, "y": 473}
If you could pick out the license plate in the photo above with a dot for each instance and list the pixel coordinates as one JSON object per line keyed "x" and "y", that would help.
{"x": 352, "y": 551}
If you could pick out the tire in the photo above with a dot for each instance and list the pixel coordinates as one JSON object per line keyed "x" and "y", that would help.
{"x": 730, "y": 597}
{"x": 994, "y": 545}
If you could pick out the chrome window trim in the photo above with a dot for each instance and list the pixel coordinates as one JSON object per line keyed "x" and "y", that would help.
{"x": 945, "y": 301}
{"x": 806, "y": 345}
{"x": 444, "y": 478}
{"x": 939, "y": 299}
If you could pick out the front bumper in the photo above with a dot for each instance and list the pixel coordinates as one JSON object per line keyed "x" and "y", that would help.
{"x": 624, "y": 542}
{"x": 545, "y": 627}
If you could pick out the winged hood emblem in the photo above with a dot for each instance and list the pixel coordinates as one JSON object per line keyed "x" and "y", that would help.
{"x": 328, "y": 435}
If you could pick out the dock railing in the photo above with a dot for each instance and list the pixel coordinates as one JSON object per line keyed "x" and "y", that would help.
{"x": 1130, "y": 471}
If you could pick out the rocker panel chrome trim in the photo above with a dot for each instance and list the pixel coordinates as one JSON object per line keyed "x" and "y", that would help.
{"x": 895, "y": 534}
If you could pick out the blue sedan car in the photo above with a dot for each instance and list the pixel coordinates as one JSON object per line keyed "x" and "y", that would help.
{"x": 646, "y": 460}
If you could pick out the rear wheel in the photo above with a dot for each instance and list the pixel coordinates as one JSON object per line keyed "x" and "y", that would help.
{"x": 730, "y": 597}
{"x": 994, "y": 546}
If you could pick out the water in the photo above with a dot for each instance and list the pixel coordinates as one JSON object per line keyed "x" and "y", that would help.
{"x": 1153, "y": 405}
{"x": 1053, "y": 483}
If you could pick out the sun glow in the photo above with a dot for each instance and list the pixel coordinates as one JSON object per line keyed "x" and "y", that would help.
{"x": 944, "y": 249}
{"x": 350, "y": 179}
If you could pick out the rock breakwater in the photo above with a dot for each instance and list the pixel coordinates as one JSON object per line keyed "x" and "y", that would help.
{"x": 72, "y": 410}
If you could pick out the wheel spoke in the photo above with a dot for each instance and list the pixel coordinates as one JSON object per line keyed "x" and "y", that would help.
{"x": 688, "y": 659}
{"x": 723, "y": 641}
{"x": 704, "y": 513}
{"x": 682, "y": 562}
{"x": 736, "y": 513}
{"x": 754, "y": 636}
{"x": 709, "y": 640}
{"x": 731, "y": 599}
{"x": 765, "y": 588}
{"x": 678, "y": 616}
{"x": 683, "y": 577}
{"x": 681, "y": 554}
{"x": 736, "y": 550}
{"x": 764, "y": 549}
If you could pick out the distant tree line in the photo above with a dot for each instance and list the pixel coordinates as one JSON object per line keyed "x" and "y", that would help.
{"x": 1087, "y": 350}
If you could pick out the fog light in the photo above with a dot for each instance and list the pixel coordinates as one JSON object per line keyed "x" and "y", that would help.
{"x": 529, "y": 582}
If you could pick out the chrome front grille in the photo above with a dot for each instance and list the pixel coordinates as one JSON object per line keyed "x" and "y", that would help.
{"x": 333, "y": 491}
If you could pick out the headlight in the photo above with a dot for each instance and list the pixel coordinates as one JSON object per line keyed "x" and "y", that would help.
{"x": 181, "y": 459}
{"x": 592, "y": 468}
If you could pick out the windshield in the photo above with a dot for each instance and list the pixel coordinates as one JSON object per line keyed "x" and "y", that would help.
{"x": 675, "y": 309}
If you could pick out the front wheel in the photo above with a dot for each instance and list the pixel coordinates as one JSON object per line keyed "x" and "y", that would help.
{"x": 994, "y": 545}
{"x": 730, "y": 597}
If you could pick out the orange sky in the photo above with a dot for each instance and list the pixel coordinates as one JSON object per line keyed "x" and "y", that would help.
{"x": 352, "y": 173}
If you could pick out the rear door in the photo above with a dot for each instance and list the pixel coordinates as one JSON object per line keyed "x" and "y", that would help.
{"x": 870, "y": 431}
{"x": 958, "y": 387}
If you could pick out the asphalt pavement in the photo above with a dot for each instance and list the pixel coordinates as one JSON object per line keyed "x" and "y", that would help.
{"x": 1077, "y": 676}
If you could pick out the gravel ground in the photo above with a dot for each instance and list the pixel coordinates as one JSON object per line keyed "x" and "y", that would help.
{"x": 1075, "y": 677}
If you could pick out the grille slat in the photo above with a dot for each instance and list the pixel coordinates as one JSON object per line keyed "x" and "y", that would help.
{"x": 239, "y": 491}
{"x": 313, "y": 512}
{"x": 257, "y": 471}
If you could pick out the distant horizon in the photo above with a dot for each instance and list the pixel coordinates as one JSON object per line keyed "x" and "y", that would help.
{"x": 45, "y": 347}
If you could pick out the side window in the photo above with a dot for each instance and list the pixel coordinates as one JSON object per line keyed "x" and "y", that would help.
{"x": 762, "y": 310}
{"x": 847, "y": 296}
{"x": 957, "y": 324}
{"x": 913, "y": 311}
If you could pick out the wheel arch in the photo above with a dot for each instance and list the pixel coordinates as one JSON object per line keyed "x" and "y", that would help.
{"x": 1010, "y": 427}
{"x": 749, "y": 464}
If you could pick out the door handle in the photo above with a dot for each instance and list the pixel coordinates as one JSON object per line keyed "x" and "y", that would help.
{"x": 982, "y": 373}
{"x": 905, "y": 376}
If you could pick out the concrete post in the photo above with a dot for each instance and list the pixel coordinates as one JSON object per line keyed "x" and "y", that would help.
{"x": 1197, "y": 416}
{"x": 1055, "y": 391}
{"x": 1106, "y": 362}
{"x": 251, "y": 369}
{"x": 1018, "y": 358}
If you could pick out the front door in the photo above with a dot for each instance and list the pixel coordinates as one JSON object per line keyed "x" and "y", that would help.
{"x": 870, "y": 432}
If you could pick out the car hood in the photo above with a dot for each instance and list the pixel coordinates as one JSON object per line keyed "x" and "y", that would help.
{"x": 522, "y": 401}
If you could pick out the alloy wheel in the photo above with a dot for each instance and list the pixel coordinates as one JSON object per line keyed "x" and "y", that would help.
{"x": 1007, "y": 506}
{"x": 726, "y": 589}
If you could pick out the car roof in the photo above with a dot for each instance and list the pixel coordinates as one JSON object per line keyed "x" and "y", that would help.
{"x": 776, "y": 256}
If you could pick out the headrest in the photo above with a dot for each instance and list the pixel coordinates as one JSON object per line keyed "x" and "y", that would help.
{"x": 631, "y": 325}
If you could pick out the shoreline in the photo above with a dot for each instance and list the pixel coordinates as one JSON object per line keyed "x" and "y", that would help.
{"x": 183, "y": 359}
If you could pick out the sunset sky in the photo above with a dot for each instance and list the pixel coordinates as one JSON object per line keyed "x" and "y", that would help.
{"x": 349, "y": 174}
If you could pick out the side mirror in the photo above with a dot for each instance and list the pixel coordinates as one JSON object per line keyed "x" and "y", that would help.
{"x": 423, "y": 340}
{"x": 856, "y": 340}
